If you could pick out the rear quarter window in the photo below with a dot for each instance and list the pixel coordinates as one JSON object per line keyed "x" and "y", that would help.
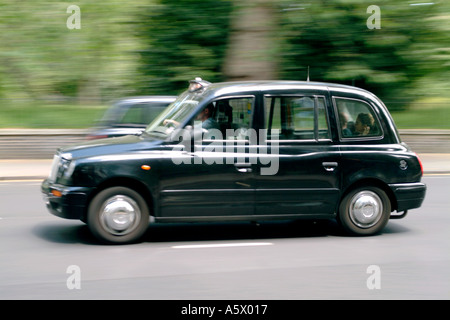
{"x": 356, "y": 119}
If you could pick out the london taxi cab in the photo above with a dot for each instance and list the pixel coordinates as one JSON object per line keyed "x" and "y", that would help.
{"x": 244, "y": 151}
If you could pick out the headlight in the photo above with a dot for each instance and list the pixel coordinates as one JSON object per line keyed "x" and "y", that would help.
{"x": 62, "y": 166}
{"x": 54, "y": 169}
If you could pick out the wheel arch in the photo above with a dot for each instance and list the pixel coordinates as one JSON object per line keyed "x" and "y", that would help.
{"x": 373, "y": 182}
{"x": 127, "y": 182}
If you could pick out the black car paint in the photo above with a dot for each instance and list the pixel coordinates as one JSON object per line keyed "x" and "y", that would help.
{"x": 303, "y": 186}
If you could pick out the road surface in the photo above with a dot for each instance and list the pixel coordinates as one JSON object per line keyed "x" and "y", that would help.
{"x": 46, "y": 257}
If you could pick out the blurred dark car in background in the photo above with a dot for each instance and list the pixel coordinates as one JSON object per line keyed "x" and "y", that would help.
{"x": 129, "y": 115}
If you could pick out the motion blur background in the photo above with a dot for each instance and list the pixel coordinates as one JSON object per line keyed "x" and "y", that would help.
{"x": 52, "y": 76}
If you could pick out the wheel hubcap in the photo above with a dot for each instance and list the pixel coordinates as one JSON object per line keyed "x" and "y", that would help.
{"x": 366, "y": 209}
{"x": 120, "y": 215}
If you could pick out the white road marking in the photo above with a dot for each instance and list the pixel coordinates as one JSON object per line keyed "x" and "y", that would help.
{"x": 223, "y": 245}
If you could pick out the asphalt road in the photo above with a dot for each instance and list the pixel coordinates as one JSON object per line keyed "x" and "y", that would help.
{"x": 45, "y": 257}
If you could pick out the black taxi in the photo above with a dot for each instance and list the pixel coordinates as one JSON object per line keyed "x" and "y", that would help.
{"x": 244, "y": 151}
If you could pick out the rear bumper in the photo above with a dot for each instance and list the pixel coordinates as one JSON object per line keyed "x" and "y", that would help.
{"x": 66, "y": 202}
{"x": 409, "y": 195}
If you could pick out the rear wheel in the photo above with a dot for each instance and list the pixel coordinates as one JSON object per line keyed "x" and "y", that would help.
{"x": 364, "y": 211}
{"x": 118, "y": 215}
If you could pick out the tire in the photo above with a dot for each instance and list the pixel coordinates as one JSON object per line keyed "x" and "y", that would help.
{"x": 364, "y": 211}
{"x": 118, "y": 215}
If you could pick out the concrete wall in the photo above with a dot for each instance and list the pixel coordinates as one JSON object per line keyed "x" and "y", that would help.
{"x": 36, "y": 143}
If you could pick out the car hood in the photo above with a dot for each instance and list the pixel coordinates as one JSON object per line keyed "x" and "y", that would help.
{"x": 125, "y": 144}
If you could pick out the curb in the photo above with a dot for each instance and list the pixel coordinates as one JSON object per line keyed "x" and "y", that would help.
{"x": 22, "y": 178}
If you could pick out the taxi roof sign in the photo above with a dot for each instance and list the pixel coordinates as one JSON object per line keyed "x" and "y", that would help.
{"x": 197, "y": 84}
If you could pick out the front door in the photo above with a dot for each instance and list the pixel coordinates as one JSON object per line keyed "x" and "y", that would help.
{"x": 214, "y": 179}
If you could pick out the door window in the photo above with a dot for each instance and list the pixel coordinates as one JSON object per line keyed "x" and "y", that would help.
{"x": 356, "y": 119}
{"x": 296, "y": 118}
{"x": 232, "y": 116}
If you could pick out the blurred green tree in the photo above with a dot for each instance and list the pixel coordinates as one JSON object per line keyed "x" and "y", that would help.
{"x": 252, "y": 45}
{"x": 182, "y": 39}
{"x": 43, "y": 60}
{"x": 156, "y": 46}
{"x": 332, "y": 37}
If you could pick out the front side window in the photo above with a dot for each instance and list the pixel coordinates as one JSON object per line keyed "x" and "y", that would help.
{"x": 231, "y": 116}
{"x": 296, "y": 118}
{"x": 356, "y": 119}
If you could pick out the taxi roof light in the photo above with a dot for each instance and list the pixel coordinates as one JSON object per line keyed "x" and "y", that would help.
{"x": 198, "y": 84}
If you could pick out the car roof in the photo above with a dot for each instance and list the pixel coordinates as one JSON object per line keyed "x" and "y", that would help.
{"x": 220, "y": 88}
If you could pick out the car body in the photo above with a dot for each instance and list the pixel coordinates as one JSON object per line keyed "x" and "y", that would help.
{"x": 281, "y": 150}
{"x": 129, "y": 116}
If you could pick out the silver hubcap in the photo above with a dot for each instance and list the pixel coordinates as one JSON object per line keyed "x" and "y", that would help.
{"x": 120, "y": 215}
{"x": 365, "y": 209}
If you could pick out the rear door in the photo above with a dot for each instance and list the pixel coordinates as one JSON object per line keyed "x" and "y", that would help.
{"x": 307, "y": 179}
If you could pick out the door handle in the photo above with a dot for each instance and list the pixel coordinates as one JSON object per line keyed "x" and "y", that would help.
{"x": 243, "y": 167}
{"x": 330, "y": 166}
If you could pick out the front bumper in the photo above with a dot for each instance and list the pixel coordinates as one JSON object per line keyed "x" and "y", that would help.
{"x": 65, "y": 202}
{"x": 409, "y": 195}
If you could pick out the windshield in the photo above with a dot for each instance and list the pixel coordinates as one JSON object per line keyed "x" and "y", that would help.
{"x": 174, "y": 115}
{"x": 112, "y": 114}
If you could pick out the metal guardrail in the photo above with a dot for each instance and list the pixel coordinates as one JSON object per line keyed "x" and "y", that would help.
{"x": 42, "y": 143}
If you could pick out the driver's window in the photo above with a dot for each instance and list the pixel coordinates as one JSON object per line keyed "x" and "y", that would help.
{"x": 231, "y": 116}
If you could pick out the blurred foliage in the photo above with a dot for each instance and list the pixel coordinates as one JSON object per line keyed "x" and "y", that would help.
{"x": 156, "y": 46}
{"x": 41, "y": 59}
{"x": 183, "y": 39}
{"x": 22, "y": 114}
{"x": 332, "y": 38}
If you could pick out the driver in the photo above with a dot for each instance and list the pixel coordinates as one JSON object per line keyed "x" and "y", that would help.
{"x": 205, "y": 116}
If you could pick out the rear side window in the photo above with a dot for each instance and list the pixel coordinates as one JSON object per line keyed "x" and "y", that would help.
{"x": 356, "y": 119}
{"x": 296, "y": 118}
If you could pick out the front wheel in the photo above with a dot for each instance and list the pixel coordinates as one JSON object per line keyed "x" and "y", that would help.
{"x": 364, "y": 211}
{"x": 118, "y": 215}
